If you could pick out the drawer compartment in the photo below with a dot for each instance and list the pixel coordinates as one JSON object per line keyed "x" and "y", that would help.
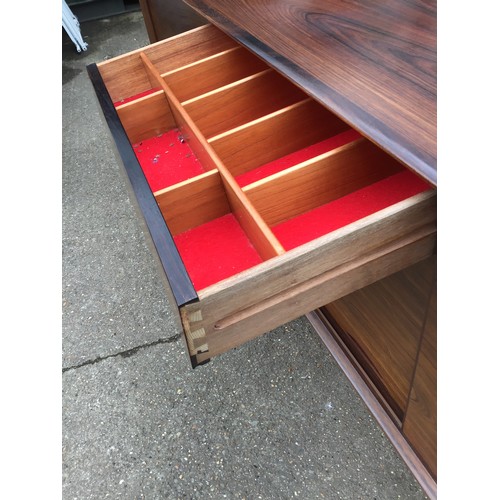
{"x": 261, "y": 204}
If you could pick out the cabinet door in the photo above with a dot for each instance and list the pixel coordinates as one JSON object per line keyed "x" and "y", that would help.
{"x": 381, "y": 326}
{"x": 420, "y": 424}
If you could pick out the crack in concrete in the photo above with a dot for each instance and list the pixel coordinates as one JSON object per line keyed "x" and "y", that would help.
{"x": 124, "y": 354}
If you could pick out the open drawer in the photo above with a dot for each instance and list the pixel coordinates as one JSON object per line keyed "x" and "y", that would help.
{"x": 262, "y": 205}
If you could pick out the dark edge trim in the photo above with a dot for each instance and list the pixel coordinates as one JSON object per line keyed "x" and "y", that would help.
{"x": 175, "y": 271}
{"x": 421, "y": 474}
{"x": 399, "y": 146}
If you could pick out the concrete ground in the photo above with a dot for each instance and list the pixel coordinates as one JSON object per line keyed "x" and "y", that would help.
{"x": 274, "y": 419}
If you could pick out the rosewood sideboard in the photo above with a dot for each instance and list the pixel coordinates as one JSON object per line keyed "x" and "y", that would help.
{"x": 283, "y": 159}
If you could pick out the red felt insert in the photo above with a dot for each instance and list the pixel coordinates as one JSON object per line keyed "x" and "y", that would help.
{"x": 166, "y": 160}
{"x": 136, "y": 96}
{"x": 348, "y": 209}
{"x": 297, "y": 157}
{"x": 216, "y": 250}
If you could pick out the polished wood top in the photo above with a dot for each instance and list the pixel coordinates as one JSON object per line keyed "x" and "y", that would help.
{"x": 372, "y": 63}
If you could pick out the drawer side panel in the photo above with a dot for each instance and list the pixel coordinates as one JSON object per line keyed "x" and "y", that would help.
{"x": 170, "y": 260}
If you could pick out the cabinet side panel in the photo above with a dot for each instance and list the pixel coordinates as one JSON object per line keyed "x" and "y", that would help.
{"x": 420, "y": 425}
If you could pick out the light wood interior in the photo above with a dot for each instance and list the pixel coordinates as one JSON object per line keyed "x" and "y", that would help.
{"x": 146, "y": 117}
{"x": 194, "y": 202}
{"x": 241, "y": 102}
{"x": 275, "y": 135}
{"x": 237, "y": 115}
{"x": 189, "y": 47}
{"x": 126, "y": 76}
{"x": 213, "y": 72}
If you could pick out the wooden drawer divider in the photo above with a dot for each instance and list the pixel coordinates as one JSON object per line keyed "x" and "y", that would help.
{"x": 213, "y": 72}
{"x": 257, "y": 230}
{"x": 229, "y": 154}
{"x": 237, "y": 124}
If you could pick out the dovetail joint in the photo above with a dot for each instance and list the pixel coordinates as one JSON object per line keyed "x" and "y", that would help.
{"x": 195, "y": 316}
{"x": 193, "y": 336}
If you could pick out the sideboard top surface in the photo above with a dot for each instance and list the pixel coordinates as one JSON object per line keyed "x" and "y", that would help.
{"x": 372, "y": 63}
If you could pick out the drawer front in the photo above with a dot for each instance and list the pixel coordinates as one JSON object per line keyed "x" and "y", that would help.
{"x": 209, "y": 333}
{"x": 261, "y": 204}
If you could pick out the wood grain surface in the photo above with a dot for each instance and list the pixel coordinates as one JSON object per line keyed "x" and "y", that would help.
{"x": 346, "y": 244}
{"x": 243, "y": 325}
{"x": 146, "y": 117}
{"x": 382, "y": 325}
{"x": 372, "y": 63}
{"x": 332, "y": 342}
{"x": 213, "y": 72}
{"x": 420, "y": 424}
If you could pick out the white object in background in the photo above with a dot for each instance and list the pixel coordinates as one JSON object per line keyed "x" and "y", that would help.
{"x": 72, "y": 27}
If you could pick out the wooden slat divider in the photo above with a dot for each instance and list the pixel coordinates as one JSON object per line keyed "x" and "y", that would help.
{"x": 261, "y": 236}
{"x": 187, "y": 47}
{"x": 275, "y": 135}
{"x": 320, "y": 180}
{"x": 242, "y": 101}
{"x": 197, "y": 100}
{"x": 124, "y": 75}
{"x": 193, "y": 202}
{"x": 258, "y": 121}
{"x": 146, "y": 117}
{"x": 199, "y": 62}
{"x": 212, "y": 72}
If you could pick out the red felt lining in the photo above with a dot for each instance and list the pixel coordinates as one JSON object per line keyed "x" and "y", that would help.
{"x": 216, "y": 250}
{"x": 220, "y": 248}
{"x": 297, "y": 157}
{"x": 166, "y": 160}
{"x": 352, "y": 207}
{"x": 136, "y": 96}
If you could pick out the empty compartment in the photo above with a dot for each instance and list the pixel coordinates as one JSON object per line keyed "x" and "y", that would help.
{"x": 273, "y": 136}
{"x": 146, "y": 117}
{"x": 126, "y": 77}
{"x": 241, "y": 102}
{"x": 213, "y": 72}
{"x": 292, "y": 159}
{"x": 330, "y": 191}
{"x": 210, "y": 240}
{"x": 166, "y": 158}
{"x": 187, "y": 48}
